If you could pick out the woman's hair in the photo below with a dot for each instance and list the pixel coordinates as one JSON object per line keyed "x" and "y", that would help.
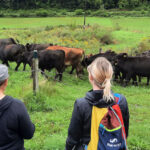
{"x": 101, "y": 70}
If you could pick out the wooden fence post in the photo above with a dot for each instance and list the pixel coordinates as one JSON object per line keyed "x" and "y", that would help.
{"x": 35, "y": 72}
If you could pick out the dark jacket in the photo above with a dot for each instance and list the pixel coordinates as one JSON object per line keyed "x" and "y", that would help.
{"x": 80, "y": 125}
{"x": 15, "y": 124}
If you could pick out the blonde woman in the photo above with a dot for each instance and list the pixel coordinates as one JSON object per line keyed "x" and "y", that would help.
{"x": 100, "y": 75}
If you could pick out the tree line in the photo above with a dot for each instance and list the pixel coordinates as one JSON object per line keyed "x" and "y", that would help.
{"x": 72, "y": 4}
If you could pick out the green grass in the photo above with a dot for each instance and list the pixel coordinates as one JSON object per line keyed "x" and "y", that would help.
{"x": 51, "y": 109}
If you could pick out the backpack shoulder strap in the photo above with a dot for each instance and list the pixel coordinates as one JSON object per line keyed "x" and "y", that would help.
{"x": 97, "y": 116}
{"x": 117, "y": 97}
{"x": 116, "y": 110}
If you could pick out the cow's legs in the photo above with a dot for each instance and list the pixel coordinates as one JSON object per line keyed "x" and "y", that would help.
{"x": 6, "y": 62}
{"x": 79, "y": 70}
{"x": 60, "y": 71}
{"x": 127, "y": 79}
{"x": 18, "y": 64}
{"x": 24, "y": 66}
{"x": 122, "y": 77}
{"x": 43, "y": 73}
{"x": 134, "y": 80}
{"x": 117, "y": 76}
{"x": 139, "y": 79}
{"x": 148, "y": 80}
{"x": 58, "y": 75}
{"x": 72, "y": 69}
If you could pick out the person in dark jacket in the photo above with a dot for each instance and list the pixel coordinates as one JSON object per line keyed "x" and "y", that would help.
{"x": 15, "y": 123}
{"x": 100, "y": 75}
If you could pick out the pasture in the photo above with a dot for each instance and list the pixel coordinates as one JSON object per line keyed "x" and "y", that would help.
{"x": 51, "y": 109}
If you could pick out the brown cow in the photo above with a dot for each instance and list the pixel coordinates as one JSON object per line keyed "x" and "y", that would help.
{"x": 73, "y": 57}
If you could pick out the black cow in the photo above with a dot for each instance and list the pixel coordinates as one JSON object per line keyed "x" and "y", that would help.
{"x": 133, "y": 66}
{"x": 110, "y": 55}
{"x": 7, "y": 41}
{"x": 146, "y": 53}
{"x": 49, "y": 60}
{"x": 12, "y": 52}
{"x": 31, "y": 47}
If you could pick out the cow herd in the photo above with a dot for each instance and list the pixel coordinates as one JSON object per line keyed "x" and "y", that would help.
{"x": 59, "y": 57}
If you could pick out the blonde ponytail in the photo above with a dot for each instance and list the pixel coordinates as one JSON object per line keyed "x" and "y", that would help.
{"x": 102, "y": 71}
{"x": 107, "y": 91}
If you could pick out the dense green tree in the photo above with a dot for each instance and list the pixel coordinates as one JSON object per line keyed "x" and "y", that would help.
{"x": 71, "y": 4}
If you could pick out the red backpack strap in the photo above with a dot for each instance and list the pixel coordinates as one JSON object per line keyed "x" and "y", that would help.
{"x": 117, "y": 97}
{"x": 119, "y": 114}
{"x": 116, "y": 109}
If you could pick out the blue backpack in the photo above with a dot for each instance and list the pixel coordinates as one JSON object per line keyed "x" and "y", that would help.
{"x": 107, "y": 128}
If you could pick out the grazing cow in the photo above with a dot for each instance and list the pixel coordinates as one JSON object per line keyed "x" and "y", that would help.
{"x": 110, "y": 55}
{"x": 146, "y": 53}
{"x": 133, "y": 66}
{"x": 73, "y": 57}
{"x": 7, "y": 41}
{"x": 48, "y": 60}
{"x": 31, "y": 47}
{"x": 12, "y": 52}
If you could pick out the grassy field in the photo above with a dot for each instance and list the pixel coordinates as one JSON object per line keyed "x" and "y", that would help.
{"x": 51, "y": 109}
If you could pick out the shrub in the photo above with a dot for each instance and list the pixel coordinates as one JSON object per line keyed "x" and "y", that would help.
{"x": 13, "y": 15}
{"x": 123, "y": 4}
{"x": 52, "y": 13}
{"x": 144, "y": 45}
{"x": 73, "y": 26}
{"x": 63, "y": 12}
{"x": 101, "y": 13}
{"x": 88, "y": 12}
{"x": 107, "y": 39}
{"x": 143, "y": 12}
{"x": 47, "y": 28}
{"x": 42, "y": 13}
{"x": 24, "y": 14}
{"x": 1, "y": 14}
{"x": 78, "y": 12}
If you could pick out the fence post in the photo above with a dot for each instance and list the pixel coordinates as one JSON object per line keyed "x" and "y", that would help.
{"x": 35, "y": 72}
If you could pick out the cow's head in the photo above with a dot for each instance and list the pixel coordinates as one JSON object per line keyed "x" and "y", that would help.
{"x": 122, "y": 56}
{"x": 28, "y": 47}
{"x": 84, "y": 62}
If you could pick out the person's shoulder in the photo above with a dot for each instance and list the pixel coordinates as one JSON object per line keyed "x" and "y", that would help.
{"x": 81, "y": 101}
{"x": 16, "y": 101}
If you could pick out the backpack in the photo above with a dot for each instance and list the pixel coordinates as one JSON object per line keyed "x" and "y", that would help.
{"x": 107, "y": 128}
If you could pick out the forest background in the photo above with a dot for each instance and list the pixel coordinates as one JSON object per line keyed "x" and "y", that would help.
{"x": 49, "y": 8}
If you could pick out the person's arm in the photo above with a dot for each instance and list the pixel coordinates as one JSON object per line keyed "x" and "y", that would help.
{"x": 75, "y": 128}
{"x": 26, "y": 127}
{"x": 125, "y": 113}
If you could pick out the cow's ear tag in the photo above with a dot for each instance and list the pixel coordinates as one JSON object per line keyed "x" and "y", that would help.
{"x": 124, "y": 56}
